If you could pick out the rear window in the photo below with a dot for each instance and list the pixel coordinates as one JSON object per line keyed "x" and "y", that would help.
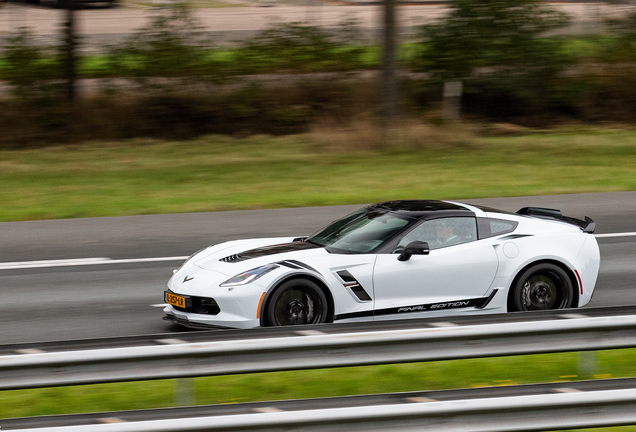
{"x": 493, "y": 227}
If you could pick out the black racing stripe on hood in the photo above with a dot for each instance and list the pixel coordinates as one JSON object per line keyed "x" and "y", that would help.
{"x": 269, "y": 250}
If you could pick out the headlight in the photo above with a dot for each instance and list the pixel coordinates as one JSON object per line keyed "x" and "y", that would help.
{"x": 250, "y": 275}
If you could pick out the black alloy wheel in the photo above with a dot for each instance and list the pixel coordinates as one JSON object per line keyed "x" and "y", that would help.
{"x": 297, "y": 302}
{"x": 541, "y": 287}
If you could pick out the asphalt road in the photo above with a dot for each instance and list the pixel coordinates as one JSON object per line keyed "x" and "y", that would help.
{"x": 119, "y": 299}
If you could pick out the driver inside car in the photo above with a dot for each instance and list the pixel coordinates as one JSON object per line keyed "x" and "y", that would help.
{"x": 446, "y": 235}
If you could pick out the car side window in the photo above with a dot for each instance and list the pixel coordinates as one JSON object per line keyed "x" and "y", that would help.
{"x": 493, "y": 227}
{"x": 441, "y": 233}
{"x": 366, "y": 234}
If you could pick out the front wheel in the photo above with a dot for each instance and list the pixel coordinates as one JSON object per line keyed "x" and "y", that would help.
{"x": 297, "y": 302}
{"x": 541, "y": 287}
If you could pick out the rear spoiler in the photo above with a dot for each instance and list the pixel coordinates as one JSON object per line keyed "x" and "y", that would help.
{"x": 586, "y": 225}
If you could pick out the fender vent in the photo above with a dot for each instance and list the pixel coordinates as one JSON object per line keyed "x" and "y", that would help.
{"x": 350, "y": 282}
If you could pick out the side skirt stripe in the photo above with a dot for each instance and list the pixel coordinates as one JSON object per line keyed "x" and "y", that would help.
{"x": 477, "y": 303}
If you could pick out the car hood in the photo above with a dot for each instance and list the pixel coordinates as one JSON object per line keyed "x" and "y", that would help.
{"x": 235, "y": 257}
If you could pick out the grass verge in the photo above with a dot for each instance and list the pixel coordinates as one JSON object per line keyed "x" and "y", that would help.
{"x": 330, "y": 166}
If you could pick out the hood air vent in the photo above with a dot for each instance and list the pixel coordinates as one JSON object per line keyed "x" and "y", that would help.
{"x": 232, "y": 258}
{"x": 268, "y": 250}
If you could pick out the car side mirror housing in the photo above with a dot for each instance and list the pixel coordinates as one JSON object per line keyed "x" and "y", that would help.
{"x": 414, "y": 248}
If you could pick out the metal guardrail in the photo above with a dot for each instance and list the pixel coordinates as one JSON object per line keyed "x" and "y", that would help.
{"x": 403, "y": 398}
{"x": 314, "y": 351}
{"x": 224, "y": 335}
{"x": 568, "y": 408}
{"x": 517, "y": 413}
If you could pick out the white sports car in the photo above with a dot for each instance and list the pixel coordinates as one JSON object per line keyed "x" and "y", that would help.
{"x": 392, "y": 260}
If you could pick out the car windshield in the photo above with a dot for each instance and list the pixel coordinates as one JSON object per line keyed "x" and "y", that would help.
{"x": 359, "y": 232}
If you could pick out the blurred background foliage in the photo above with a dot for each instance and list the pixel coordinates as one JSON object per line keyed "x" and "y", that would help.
{"x": 496, "y": 47}
{"x": 28, "y": 67}
{"x": 170, "y": 46}
{"x": 302, "y": 48}
{"x": 169, "y": 79}
{"x": 494, "y": 37}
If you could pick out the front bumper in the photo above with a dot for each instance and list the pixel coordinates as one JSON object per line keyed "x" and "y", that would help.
{"x": 229, "y": 307}
{"x": 221, "y": 320}
{"x": 187, "y": 323}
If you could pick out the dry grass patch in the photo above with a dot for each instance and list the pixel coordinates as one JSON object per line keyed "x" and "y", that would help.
{"x": 409, "y": 135}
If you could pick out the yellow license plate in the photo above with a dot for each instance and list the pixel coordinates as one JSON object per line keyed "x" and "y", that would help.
{"x": 174, "y": 300}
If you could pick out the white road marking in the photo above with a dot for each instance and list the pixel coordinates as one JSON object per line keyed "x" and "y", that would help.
{"x": 53, "y": 263}
{"x": 101, "y": 261}
{"x": 171, "y": 341}
{"x": 420, "y": 399}
{"x": 566, "y": 390}
{"x": 310, "y": 332}
{"x": 267, "y": 410}
{"x": 442, "y": 324}
{"x": 29, "y": 351}
{"x": 625, "y": 234}
{"x": 82, "y": 262}
{"x": 110, "y": 420}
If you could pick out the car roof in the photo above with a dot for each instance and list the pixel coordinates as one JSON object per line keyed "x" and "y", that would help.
{"x": 423, "y": 209}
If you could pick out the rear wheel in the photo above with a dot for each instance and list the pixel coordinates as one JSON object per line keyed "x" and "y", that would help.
{"x": 297, "y": 302}
{"x": 541, "y": 287}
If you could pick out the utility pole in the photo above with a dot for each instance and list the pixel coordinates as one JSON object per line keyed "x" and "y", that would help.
{"x": 389, "y": 85}
{"x": 69, "y": 49}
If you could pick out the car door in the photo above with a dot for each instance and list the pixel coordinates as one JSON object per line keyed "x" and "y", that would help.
{"x": 457, "y": 272}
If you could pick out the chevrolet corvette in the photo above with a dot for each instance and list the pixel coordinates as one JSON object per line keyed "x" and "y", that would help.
{"x": 392, "y": 260}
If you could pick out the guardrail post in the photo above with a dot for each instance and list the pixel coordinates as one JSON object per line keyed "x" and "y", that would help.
{"x": 184, "y": 393}
{"x": 451, "y": 109}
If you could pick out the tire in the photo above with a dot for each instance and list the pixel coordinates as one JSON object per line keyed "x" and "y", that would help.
{"x": 541, "y": 287}
{"x": 297, "y": 302}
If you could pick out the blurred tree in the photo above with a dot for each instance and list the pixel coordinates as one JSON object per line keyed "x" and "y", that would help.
{"x": 622, "y": 48}
{"x": 299, "y": 47}
{"x": 170, "y": 46}
{"x": 69, "y": 48}
{"x": 496, "y": 47}
{"x": 389, "y": 83}
{"x": 499, "y": 35}
{"x": 27, "y": 67}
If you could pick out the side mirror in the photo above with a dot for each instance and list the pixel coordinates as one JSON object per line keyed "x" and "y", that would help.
{"x": 414, "y": 248}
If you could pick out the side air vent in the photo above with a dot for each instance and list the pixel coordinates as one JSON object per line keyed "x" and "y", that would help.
{"x": 350, "y": 282}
